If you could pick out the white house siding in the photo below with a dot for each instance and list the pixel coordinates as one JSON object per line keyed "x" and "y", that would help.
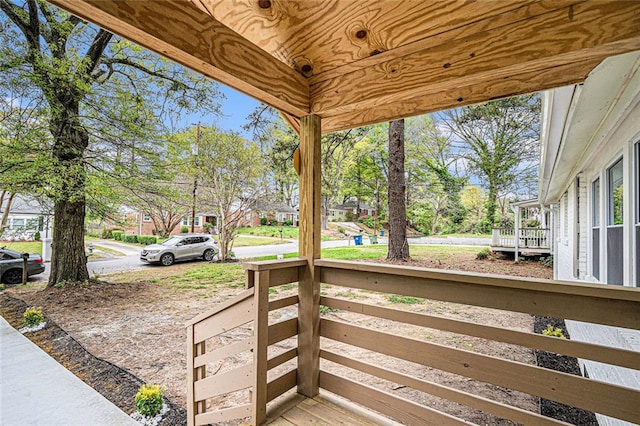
{"x": 563, "y": 256}
{"x": 603, "y": 126}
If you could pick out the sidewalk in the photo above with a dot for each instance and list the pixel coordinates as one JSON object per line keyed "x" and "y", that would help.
{"x": 36, "y": 390}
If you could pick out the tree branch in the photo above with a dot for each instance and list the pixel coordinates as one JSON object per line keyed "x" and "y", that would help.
{"x": 96, "y": 50}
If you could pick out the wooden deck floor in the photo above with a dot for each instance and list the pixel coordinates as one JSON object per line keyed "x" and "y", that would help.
{"x": 325, "y": 409}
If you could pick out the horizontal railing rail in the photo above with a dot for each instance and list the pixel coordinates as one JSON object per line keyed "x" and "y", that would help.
{"x": 591, "y": 303}
{"x": 250, "y": 306}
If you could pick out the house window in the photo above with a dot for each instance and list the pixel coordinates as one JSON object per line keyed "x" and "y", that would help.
{"x": 17, "y": 223}
{"x": 565, "y": 218}
{"x": 32, "y": 224}
{"x": 187, "y": 221}
{"x": 615, "y": 229}
{"x": 637, "y": 195}
{"x": 595, "y": 228}
{"x": 146, "y": 218}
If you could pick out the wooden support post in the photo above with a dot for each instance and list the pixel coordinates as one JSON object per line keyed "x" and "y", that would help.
{"x": 193, "y": 375}
{"x": 260, "y": 335}
{"x": 309, "y": 284}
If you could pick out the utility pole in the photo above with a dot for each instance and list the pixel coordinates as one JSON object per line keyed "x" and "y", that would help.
{"x": 195, "y": 179}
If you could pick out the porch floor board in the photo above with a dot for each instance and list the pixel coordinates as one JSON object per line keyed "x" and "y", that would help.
{"x": 325, "y": 409}
{"x": 613, "y": 337}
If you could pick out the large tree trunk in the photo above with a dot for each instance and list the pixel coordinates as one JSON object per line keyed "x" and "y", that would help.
{"x": 398, "y": 245}
{"x": 68, "y": 261}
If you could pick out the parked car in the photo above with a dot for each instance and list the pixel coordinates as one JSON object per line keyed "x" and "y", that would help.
{"x": 181, "y": 247}
{"x": 11, "y": 264}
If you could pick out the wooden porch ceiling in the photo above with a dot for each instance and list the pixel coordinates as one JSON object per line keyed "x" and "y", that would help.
{"x": 360, "y": 62}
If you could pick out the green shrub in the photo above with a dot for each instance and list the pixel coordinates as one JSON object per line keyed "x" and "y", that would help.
{"x": 149, "y": 400}
{"x": 117, "y": 235}
{"x": 147, "y": 239}
{"x": 263, "y": 221}
{"x": 36, "y": 236}
{"x": 287, "y": 223}
{"x": 184, "y": 229}
{"x": 553, "y": 332}
{"x": 483, "y": 254}
{"x": 33, "y": 316}
{"x": 547, "y": 261}
{"x": 273, "y": 222}
{"x": 325, "y": 309}
{"x": 407, "y": 300}
{"x": 130, "y": 238}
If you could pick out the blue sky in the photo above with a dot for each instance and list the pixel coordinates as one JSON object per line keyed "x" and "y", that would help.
{"x": 235, "y": 109}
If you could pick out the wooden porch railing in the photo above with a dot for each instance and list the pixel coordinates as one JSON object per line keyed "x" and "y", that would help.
{"x": 590, "y": 303}
{"x": 529, "y": 238}
{"x": 250, "y": 306}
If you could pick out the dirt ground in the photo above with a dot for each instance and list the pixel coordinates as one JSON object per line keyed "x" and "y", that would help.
{"x": 136, "y": 323}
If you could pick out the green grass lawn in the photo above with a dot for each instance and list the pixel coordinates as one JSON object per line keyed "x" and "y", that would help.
{"x": 241, "y": 241}
{"x": 23, "y": 246}
{"x": 288, "y": 232}
{"x": 432, "y": 252}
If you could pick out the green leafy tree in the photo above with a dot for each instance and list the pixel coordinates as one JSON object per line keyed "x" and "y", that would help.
{"x": 432, "y": 181}
{"x": 230, "y": 172}
{"x": 500, "y": 144}
{"x": 99, "y": 96}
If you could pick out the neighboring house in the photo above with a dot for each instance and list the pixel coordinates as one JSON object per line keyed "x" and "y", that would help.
{"x": 142, "y": 224}
{"x": 27, "y": 214}
{"x": 590, "y": 176}
{"x": 279, "y": 212}
{"x": 349, "y": 210}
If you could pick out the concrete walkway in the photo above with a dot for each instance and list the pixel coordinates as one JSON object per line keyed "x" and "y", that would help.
{"x": 36, "y": 390}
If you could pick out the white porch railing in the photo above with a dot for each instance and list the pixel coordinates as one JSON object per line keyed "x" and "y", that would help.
{"x": 529, "y": 238}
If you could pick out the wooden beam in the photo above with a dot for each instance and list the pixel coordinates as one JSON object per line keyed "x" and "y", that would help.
{"x": 309, "y": 248}
{"x": 187, "y": 34}
{"x": 580, "y": 32}
{"x": 458, "y": 96}
{"x": 261, "y": 338}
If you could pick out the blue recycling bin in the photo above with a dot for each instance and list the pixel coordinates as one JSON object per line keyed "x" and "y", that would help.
{"x": 357, "y": 239}
{"x": 382, "y": 232}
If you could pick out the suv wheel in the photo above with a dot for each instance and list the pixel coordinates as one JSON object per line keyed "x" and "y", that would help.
{"x": 167, "y": 259}
{"x": 12, "y": 276}
{"x": 208, "y": 255}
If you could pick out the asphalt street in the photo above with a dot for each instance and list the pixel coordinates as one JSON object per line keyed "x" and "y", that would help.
{"x": 132, "y": 259}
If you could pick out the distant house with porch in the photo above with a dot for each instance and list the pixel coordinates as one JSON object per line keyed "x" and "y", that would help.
{"x": 349, "y": 210}
{"x": 280, "y": 212}
{"x": 141, "y": 223}
{"x": 531, "y": 233}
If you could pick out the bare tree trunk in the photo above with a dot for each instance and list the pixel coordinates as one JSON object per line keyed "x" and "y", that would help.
{"x": 398, "y": 245}
{"x": 68, "y": 261}
{"x": 5, "y": 214}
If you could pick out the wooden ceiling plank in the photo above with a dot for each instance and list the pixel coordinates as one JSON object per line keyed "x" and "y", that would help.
{"x": 520, "y": 11}
{"x": 185, "y": 33}
{"x": 580, "y": 32}
{"x": 515, "y": 85}
{"x": 326, "y": 34}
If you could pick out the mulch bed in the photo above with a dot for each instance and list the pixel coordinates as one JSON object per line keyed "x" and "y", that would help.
{"x": 116, "y": 384}
{"x": 564, "y": 364}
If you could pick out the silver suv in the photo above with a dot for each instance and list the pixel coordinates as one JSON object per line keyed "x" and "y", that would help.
{"x": 181, "y": 247}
